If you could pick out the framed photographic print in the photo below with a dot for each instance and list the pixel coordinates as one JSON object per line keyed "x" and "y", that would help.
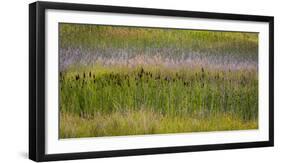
{"x": 109, "y": 81}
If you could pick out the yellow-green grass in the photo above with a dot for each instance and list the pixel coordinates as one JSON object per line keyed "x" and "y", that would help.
{"x": 102, "y": 38}
{"x": 117, "y": 100}
{"x": 144, "y": 121}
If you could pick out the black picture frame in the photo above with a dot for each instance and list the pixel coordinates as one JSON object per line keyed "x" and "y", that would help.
{"x": 37, "y": 80}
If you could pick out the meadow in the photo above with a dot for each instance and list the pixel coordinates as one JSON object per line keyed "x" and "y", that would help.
{"x": 132, "y": 81}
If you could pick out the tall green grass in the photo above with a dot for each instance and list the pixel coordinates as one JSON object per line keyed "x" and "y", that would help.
{"x": 178, "y": 81}
{"x": 167, "y": 91}
{"x": 177, "y": 96}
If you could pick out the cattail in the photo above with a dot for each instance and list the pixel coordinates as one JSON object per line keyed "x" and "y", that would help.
{"x": 142, "y": 71}
{"x": 77, "y": 77}
{"x": 217, "y": 76}
{"x": 167, "y": 78}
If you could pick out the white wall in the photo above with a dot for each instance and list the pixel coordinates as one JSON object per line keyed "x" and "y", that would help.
{"x": 14, "y": 79}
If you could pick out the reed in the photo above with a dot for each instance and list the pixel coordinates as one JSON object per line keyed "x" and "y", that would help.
{"x": 127, "y": 80}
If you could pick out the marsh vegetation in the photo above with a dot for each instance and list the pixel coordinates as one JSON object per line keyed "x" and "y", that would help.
{"x": 130, "y": 80}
